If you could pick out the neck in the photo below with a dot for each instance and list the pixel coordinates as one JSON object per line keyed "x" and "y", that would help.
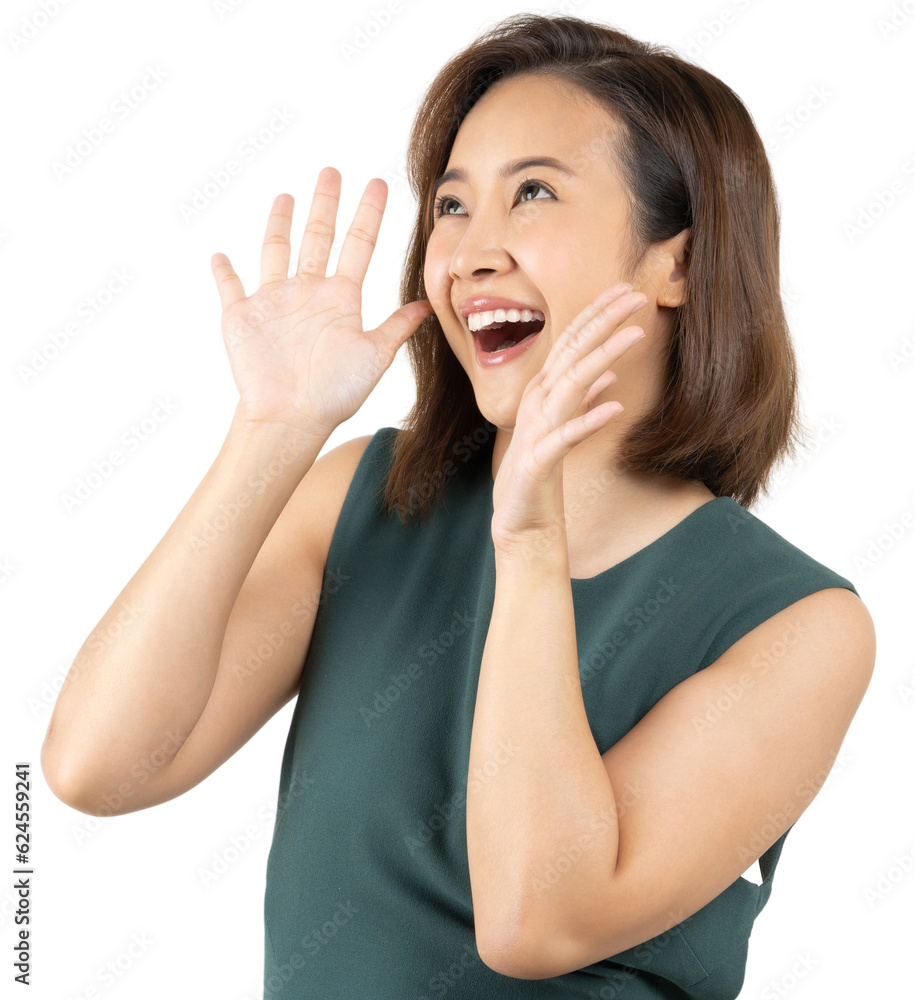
{"x": 611, "y": 512}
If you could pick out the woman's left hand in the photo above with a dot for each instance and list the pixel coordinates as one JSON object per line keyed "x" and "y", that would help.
{"x": 527, "y": 492}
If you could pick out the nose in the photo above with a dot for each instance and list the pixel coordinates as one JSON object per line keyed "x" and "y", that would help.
{"x": 480, "y": 250}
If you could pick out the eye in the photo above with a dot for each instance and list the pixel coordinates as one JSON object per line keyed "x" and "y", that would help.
{"x": 530, "y": 183}
{"x": 442, "y": 202}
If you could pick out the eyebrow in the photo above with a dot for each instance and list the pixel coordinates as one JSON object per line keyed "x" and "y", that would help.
{"x": 507, "y": 169}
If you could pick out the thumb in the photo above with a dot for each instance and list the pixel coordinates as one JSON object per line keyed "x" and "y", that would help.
{"x": 397, "y": 329}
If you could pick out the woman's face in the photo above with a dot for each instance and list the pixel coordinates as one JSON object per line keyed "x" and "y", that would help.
{"x": 546, "y": 238}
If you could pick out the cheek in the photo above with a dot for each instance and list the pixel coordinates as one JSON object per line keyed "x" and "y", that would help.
{"x": 453, "y": 342}
{"x": 437, "y": 283}
{"x": 436, "y": 264}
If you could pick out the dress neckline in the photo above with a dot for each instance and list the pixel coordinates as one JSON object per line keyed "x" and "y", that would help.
{"x": 666, "y": 538}
{"x": 583, "y": 582}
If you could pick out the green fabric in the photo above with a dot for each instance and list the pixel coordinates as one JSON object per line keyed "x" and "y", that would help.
{"x": 367, "y": 885}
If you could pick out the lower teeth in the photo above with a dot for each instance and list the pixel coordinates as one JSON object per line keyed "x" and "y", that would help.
{"x": 504, "y": 346}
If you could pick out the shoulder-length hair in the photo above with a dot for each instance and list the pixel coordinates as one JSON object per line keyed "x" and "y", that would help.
{"x": 691, "y": 157}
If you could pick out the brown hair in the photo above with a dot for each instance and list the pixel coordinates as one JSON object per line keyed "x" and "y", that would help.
{"x": 691, "y": 157}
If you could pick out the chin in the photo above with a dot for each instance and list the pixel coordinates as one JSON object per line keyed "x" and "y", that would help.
{"x": 502, "y": 415}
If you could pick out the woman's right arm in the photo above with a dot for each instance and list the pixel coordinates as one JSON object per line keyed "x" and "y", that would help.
{"x": 207, "y": 640}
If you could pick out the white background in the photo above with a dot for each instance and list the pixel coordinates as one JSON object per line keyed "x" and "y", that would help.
{"x": 99, "y": 882}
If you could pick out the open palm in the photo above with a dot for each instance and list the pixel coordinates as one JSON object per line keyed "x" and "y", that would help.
{"x": 296, "y": 346}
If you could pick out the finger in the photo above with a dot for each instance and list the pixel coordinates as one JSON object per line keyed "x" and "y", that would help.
{"x": 605, "y": 380}
{"x": 387, "y": 340}
{"x": 319, "y": 229}
{"x": 554, "y": 446}
{"x": 586, "y": 377}
{"x": 587, "y": 329}
{"x": 397, "y": 329}
{"x": 362, "y": 235}
{"x": 582, "y": 337}
{"x": 585, "y": 324}
{"x": 590, "y": 310}
{"x": 275, "y": 250}
{"x": 228, "y": 283}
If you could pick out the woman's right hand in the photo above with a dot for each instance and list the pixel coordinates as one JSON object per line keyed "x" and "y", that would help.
{"x": 297, "y": 349}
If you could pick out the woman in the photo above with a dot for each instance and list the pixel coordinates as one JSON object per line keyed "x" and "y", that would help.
{"x": 558, "y": 689}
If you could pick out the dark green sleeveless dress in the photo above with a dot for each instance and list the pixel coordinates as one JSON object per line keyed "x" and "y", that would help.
{"x": 367, "y": 884}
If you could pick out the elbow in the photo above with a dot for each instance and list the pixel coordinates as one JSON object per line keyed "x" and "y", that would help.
{"x": 67, "y": 781}
{"x": 62, "y": 782}
{"x": 527, "y": 955}
{"x": 68, "y": 789}
{"x": 520, "y": 962}
{"x": 507, "y": 963}
{"x": 504, "y": 958}
{"x": 60, "y": 785}
{"x": 499, "y": 944}
{"x": 51, "y": 765}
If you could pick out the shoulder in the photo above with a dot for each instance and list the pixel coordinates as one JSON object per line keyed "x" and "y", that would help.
{"x": 838, "y": 620}
{"x": 753, "y": 580}
{"x": 746, "y": 545}
{"x": 319, "y": 498}
{"x": 824, "y": 641}
{"x": 339, "y": 464}
{"x": 336, "y": 467}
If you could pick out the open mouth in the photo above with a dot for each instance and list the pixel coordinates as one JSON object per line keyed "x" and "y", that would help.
{"x": 501, "y": 336}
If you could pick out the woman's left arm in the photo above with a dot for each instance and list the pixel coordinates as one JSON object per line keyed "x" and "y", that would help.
{"x": 541, "y": 812}
{"x": 537, "y": 787}
{"x": 574, "y": 856}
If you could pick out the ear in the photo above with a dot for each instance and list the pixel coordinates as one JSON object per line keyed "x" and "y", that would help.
{"x": 674, "y": 257}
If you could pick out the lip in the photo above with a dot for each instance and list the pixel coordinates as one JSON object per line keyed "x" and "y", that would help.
{"x": 487, "y": 303}
{"x": 486, "y": 359}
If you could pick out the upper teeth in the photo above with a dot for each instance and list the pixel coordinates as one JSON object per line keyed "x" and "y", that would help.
{"x": 480, "y": 320}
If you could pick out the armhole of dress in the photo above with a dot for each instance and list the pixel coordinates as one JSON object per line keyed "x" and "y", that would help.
{"x": 781, "y": 594}
{"x": 769, "y": 600}
{"x": 365, "y": 488}
{"x": 823, "y": 579}
{"x": 767, "y": 863}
